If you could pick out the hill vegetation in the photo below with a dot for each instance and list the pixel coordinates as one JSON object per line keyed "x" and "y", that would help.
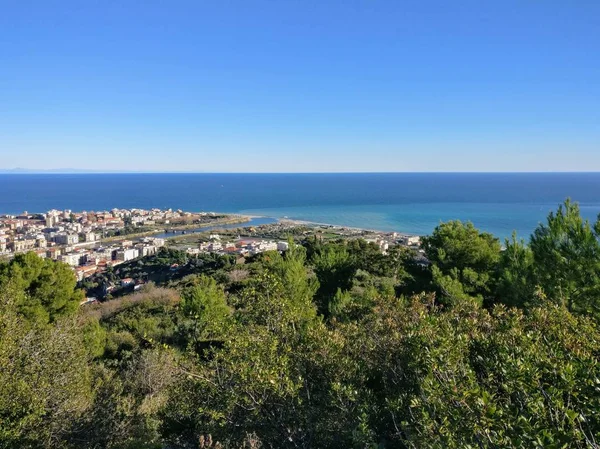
{"x": 484, "y": 344}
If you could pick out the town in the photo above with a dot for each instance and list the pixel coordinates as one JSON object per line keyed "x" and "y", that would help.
{"x": 90, "y": 242}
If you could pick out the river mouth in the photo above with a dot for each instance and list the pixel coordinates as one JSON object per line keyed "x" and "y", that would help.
{"x": 254, "y": 221}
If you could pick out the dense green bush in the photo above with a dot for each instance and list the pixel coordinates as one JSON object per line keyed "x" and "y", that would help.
{"x": 330, "y": 345}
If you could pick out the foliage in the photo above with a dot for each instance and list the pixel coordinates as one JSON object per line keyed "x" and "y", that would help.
{"x": 204, "y": 308}
{"x": 566, "y": 252}
{"x": 324, "y": 346}
{"x": 120, "y": 326}
{"x": 168, "y": 267}
{"x": 44, "y": 377}
{"x": 516, "y": 282}
{"x": 49, "y": 287}
{"x": 463, "y": 259}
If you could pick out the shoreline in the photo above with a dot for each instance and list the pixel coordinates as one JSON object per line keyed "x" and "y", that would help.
{"x": 283, "y": 221}
{"x": 354, "y": 228}
{"x": 238, "y": 218}
{"x": 299, "y": 222}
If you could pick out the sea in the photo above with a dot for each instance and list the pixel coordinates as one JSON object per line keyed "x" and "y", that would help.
{"x": 412, "y": 203}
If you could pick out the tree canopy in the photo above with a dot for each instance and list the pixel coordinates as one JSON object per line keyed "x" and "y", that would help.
{"x": 463, "y": 260}
{"x": 566, "y": 252}
{"x": 48, "y": 287}
{"x": 328, "y": 345}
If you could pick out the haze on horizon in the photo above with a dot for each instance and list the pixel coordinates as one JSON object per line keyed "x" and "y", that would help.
{"x": 332, "y": 86}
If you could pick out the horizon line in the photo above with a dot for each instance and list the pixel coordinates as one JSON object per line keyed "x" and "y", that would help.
{"x": 152, "y": 172}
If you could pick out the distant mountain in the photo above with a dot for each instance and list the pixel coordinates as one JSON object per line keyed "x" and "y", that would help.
{"x": 20, "y": 170}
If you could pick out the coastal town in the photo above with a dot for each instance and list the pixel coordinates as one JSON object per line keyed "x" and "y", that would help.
{"x": 91, "y": 242}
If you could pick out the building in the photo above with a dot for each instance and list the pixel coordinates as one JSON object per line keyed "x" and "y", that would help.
{"x": 66, "y": 239}
{"x": 125, "y": 255}
{"x": 267, "y": 246}
{"x": 19, "y": 246}
{"x": 146, "y": 250}
{"x": 51, "y": 220}
{"x": 53, "y": 253}
{"x": 73, "y": 259}
{"x": 85, "y": 271}
{"x": 103, "y": 254}
{"x": 126, "y": 282}
{"x": 412, "y": 240}
{"x": 90, "y": 237}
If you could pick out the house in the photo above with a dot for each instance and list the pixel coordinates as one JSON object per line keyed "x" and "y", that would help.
{"x": 127, "y": 282}
{"x": 412, "y": 240}
{"x": 41, "y": 253}
{"x": 53, "y": 253}
{"x": 85, "y": 271}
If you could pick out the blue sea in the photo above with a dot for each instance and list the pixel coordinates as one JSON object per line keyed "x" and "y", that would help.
{"x": 406, "y": 202}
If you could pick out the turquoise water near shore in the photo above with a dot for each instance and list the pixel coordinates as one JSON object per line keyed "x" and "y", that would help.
{"x": 500, "y": 219}
{"x": 406, "y": 202}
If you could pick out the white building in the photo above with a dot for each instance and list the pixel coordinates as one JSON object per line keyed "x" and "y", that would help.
{"x": 73, "y": 259}
{"x": 412, "y": 240}
{"x": 90, "y": 236}
{"x": 146, "y": 250}
{"x": 154, "y": 241}
{"x": 50, "y": 221}
{"x": 66, "y": 239}
{"x": 127, "y": 254}
{"x": 267, "y": 246}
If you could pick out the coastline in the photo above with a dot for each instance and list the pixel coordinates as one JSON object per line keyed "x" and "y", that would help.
{"x": 409, "y": 203}
{"x": 336, "y": 226}
{"x": 179, "y": 238}
{"x": 236, "y": 218}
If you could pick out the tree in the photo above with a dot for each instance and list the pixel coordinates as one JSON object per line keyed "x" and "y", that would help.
{"x": 49, "y": 287}
{"x": 299, "y": 287}
{"x": 249, "y": 383}
{"x": 566, "y": 251}
{"x": 463, "y": 259}
{"x": 334, "y": 269}
{"x": 516, "y": 283}
{"x": 205, "y": 308}
{"x": 44, "y": 377}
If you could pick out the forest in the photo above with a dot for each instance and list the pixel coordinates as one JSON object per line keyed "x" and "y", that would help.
{"x": 474, "y": 343}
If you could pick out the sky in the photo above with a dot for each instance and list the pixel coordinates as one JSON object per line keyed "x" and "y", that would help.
{"x": 300, "y": 85}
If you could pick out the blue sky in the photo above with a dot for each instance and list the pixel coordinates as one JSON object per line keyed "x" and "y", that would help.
{"x": 286, "y": 86}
